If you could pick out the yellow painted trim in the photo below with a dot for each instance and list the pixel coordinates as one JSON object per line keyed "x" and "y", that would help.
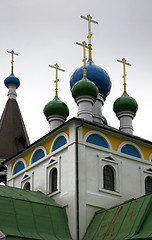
{"x": 85, "y": 130}
{"x": 146, "y": 151}
{"x": 47, "y": 145}
{"x": 67, "y": 131}
{"x": 116, "y": 141}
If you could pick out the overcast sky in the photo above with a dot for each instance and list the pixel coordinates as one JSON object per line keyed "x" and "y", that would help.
{"x": 44, "y": 32}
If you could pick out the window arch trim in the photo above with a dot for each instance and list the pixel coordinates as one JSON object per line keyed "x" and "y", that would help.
{"x": 16, "y": 163}
{"x": 150, "y": 158}
{"x": 27, "y": 186}
{"x": 134, "y": 146}
{"x": 104, "y": 137}
{"x": 56, "y": 138}
{"x": 53, "y": 180}
{"x": 109, "y": 179}
{"x": 35, "y": 151}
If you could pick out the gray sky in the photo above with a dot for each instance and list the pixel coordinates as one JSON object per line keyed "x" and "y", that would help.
{"x": 44, "y": 32}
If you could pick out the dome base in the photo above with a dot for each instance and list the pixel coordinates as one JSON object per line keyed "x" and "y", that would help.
{"x": 55, "y": 121}
{"x": 85, "y": 104}
{"x": 126, "y": 121}
{"x": 97, "y": 109}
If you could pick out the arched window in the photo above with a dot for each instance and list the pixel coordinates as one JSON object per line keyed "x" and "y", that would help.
{"x": 97, "y": 140}
{"x": 130, "y": 150}
{"x": 27, "y": 186}
{"x": 18, "y": 167}
{"x": 148, "y": 185}
{"x": 108, "y": 178}
{"x": 38, "y": 155}
{"x": 60, "y": 141}
{"x": 53, "y": 180}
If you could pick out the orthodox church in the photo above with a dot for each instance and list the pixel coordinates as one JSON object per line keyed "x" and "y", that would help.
{"x": 84, "y": 180}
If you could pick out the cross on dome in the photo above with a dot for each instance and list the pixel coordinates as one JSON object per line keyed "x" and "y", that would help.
{"x": 89, "y": 19}
{"x": 56, "y": 66}
{"x": 124, "y": 70}
{"x": 13, "y": 53}
{"x": 84, "y": 45}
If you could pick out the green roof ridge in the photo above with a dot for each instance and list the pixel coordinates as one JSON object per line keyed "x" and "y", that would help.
{"x": 24, "y": 195}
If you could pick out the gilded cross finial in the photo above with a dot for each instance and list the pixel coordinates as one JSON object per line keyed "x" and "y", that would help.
{"x": 84, "y": 45}
{"x": 13, "y": 53}
{"x": 124, "y": 70}
{"x": 56, "y": 66}
{"x": 89, "y": 19}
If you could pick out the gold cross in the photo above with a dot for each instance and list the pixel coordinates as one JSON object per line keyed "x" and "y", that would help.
{"x": 13, "y": 53}
{"x": 124, "y": 70}
{"x": 89, "y": 19}
{"x": 84, "y": 45}
{"x": 56, "y": 66}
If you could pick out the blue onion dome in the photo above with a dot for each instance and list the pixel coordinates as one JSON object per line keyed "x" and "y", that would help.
{"x": 12, "y": 80}
{"x": 56, "y": 107}
{"x": 125, "y": 103}
{"x": 95, "y": 74}
{"x": 84, "y": 87}
{"x": 104, "y": 120}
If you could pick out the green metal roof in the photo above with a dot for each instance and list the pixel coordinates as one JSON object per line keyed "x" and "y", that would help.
{"x": 32, "y": 215}
{"x": 130, "y": 220}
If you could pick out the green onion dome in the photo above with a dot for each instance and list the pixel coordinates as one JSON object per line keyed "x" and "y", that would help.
{"x": 56, "y": 107}
{"x": 125, "y": 103}
{"x": 84, "y": 87}
{"x": 104, "y": 120}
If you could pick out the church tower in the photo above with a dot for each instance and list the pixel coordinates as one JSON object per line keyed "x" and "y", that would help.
{"x": 13, "y": 134}
{"x": 56, "y": 111}
{"x": 95, "y": 74}
{"x": 125, "y": 106}
{"x": 85, "y": 92}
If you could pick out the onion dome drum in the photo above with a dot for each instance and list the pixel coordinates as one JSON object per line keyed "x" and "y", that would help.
{"x": 95, "y": 74}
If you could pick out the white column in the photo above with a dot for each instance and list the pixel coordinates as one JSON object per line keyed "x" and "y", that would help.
{"x": 85, "y": 104}
{"x": 126, "y": 121}
{"x": 55, "y": 121}
{"x": 12, "y": 91}
{"x": 97, "y": 109}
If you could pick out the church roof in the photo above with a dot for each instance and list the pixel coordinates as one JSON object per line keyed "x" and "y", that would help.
{"x": 13, "y": 135}
{"x": 31, "y": 215}
{"x": 130, "y": 220}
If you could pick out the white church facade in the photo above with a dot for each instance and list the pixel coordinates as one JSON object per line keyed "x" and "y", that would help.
{"x": 84, "y": 167}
